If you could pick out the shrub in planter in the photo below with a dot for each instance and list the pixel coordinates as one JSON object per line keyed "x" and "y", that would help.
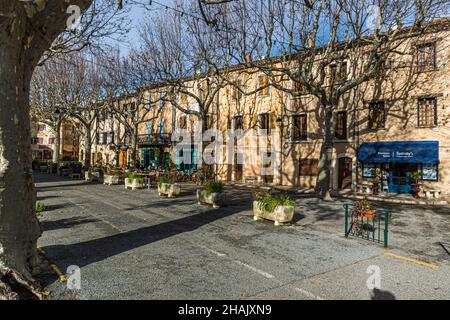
{"x": 279, "y": 209}
{"x": 111, "y": 179}
{"x": 134, "y": 181}
{"x": 166, "y": 186}
{"x": 210, "y": 194}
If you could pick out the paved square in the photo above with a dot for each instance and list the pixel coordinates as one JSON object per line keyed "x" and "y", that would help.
{"x": 137, "y": 245}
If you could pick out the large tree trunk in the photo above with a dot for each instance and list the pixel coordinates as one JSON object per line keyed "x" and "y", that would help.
{"x": 19, "y": 228}
{"x": 56, "y": 152}
{"x": 25, "y": 34}
{"x": 133, "y": 148}
{"x": 326, "y": 151}
{"x": 87, "y": 147}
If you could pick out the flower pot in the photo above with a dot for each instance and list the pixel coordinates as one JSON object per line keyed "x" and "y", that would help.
{"x": 110, "y": 180}
{"x": 133, "y": 184}
{"x": 369, "y": 214}
{"x": 281, "y": 214}
{"x": 92, "y": 176}
{"x": 169, "y": 189}
{"x": 212, "y": 198}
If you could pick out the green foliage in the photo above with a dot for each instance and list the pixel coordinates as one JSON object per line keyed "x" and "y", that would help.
{"x": 171, "y": 165}
{"x": 134, "y": 177}
{"x": 363, "y": 205}
{"x": 164, "y": 179}
{"x": 213, "y": 187}
{"x": 203, "y": 175}
{"x": 416, "y": 176}
{"x": 268, "y": 202}
{"x": 40, "y": 207}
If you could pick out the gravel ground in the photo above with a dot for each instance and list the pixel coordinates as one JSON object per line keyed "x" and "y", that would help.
{"x": 137, "y": 245}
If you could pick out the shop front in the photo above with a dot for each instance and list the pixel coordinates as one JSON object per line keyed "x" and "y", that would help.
{"x": 397, "y": 164}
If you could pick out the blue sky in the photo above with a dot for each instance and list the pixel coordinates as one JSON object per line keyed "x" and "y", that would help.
{"x": 137, "y": 16}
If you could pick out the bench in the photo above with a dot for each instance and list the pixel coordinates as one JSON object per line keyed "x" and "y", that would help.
{"x": 364, "y": 188}
{"x": 251, "y": 179}
{"x": 432, "y": 194}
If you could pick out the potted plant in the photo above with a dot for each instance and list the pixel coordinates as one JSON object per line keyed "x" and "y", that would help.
{"x": 364, "y": 208}
{"x": 111, "y": 178}
{"x": 134, "y": 181}
{"x": 166, "y": 186}
{"x": 279, "y": 209}
{"x": 415, "y": 177}
{"x": 211, "y": 193}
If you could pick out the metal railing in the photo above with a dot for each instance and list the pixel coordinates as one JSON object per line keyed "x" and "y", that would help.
{"x": 155, "y": 139}
{"x": 372, "y": 227}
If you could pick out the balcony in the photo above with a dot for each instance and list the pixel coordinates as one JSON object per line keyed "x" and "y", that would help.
{"x": 154, "y": 139}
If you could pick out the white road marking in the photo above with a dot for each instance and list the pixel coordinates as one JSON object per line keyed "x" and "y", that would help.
{"x": 219, "y": 254}
{"x": 308, "y": 294}
{"x": 263, "y": 273}
{"x": 103, "y": 220}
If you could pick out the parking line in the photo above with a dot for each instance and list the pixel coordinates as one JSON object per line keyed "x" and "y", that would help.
{"x": 263, "y": 273}
{"x": 308, "y": 294}
{"x": 429, "y": 265}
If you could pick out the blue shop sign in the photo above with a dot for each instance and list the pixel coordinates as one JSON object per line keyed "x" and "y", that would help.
{"x": 400, "y": 152}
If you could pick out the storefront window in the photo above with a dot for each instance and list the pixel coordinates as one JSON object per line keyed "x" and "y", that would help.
{"x": 430, "y": 172}
{"x": 368, "y": 170}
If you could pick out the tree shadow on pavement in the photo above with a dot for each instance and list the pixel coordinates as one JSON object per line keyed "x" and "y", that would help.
{"x": 378, "y": 294}
{"x": 88, "y": 252}
{"x": 65, "y": 223}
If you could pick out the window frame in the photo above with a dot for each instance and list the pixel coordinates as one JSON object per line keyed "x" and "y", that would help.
{"x": 268, "y": 130}
{"x": 260, "y": 92}
{"x": 313, "y": 167}
{"x": 435, "y": 111}
{"x": 294, "y": 137}
{"x": 371, "y": 105}
{"x": 345, "y": 126}
{"x": 426, "y": 66}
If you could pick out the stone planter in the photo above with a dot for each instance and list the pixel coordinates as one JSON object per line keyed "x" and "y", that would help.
{"x": 212, "y": 198}
{"x": 169, "y": 189}
{"x": 110, "y": 180}
{"x": 281, "y": 214}
{"x": 92, "y": 176}
{"x": 133, "y": 185}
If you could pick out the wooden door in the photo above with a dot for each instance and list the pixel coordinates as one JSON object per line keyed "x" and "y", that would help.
{"x": 345, "y": 173}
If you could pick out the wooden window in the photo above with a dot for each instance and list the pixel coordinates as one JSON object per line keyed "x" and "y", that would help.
{"x": 51, "y": 140}
{"x": 183, "y": 98}
{"x": 182, "y": 122}
{"x": 308, "y": 167}
{"x": 341, "y": 125}
{"x": 377, "y": 115}
{"x": 41, "y": 127}
{"x": 264, "y": 123}
{"x": 263, "y": 85}
{"x": 426, "y": 57}
{"x": 238, "y": 123}
{"x": 427, "y": 112}
{"x": 298, "y": 87}
{"x": 300, "y": 130}
{"x": 338, "y": 75}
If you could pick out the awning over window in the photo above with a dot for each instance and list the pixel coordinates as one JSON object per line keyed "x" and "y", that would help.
{"x": 402, "y": 151}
